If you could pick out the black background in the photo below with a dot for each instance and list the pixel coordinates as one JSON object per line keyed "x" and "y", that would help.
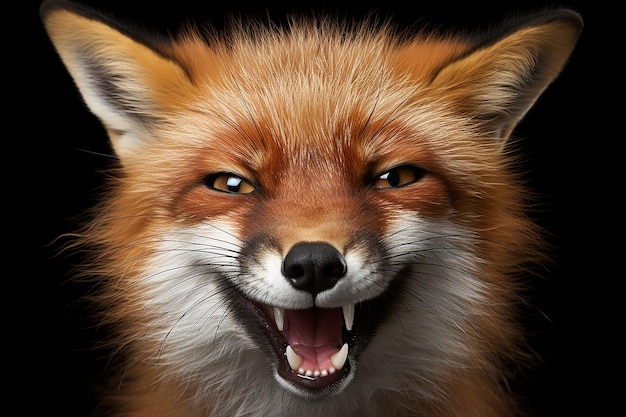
{"x": 55, "y": 149}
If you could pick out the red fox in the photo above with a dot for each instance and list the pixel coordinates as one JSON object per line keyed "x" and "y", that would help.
{"x": 321, "y": 218}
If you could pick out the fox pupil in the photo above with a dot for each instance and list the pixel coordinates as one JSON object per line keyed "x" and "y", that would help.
{"x": 392, "y": 177}
{"x": 228, "y": 183}
{"x": 399, "y": 177}
{"x": 233, "y": 184}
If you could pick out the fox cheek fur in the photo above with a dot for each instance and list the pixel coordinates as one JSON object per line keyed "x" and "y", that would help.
{"x": 323, "y": 218}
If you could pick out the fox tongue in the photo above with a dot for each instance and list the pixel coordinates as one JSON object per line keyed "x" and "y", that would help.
{"x": 314, "y": 334}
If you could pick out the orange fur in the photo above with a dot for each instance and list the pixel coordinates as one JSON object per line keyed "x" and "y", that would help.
{"x": 311, "y": 118}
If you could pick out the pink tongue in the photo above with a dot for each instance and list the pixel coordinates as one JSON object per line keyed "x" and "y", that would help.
{"x": 314, "y": 334}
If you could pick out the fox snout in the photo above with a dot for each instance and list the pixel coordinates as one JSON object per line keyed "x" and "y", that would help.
{"x": 313, "y": 267}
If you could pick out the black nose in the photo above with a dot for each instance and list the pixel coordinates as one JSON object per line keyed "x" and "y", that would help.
{"x": 313, "y": 267}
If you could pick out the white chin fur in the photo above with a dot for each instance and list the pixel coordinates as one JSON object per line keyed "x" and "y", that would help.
{"x": 199, "y": 337}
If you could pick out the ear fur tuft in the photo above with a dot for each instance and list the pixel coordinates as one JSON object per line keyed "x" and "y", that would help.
{"x": 125, "y": 82}
{"x": 499, "y": 81}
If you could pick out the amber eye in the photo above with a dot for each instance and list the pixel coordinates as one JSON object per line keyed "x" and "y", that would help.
{"x": 229, "y": 183}
{"x": 399, "y": 176}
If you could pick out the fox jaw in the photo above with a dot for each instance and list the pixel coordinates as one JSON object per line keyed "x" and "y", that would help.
{"x": 330, "y": 204}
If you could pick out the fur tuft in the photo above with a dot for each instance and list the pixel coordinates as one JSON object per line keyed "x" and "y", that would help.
{"x": 374, "y": 164}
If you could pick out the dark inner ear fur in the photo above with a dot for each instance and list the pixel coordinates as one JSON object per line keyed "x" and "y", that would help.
{"x": 125, "y": 83}
{"x": 500, "y": 80}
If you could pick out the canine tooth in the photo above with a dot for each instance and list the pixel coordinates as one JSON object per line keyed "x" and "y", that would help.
{"x": 339, "y": 359}
{"x": 279, "y": 317}
{"x": 348, "y": 315}
{"x": 293, "y": 358}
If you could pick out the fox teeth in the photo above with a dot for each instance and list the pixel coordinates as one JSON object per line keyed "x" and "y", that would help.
{"x": 348, "y": 315}
{"x": 279, "y": 318}
{"x": 293, "y": 358}
{"x": 339, "y": 359}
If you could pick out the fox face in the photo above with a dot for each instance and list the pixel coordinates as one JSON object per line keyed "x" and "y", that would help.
{"x": 311, "y": 218}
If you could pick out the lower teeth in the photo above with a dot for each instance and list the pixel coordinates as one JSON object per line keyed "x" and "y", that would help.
{"x": 338, "y": 360}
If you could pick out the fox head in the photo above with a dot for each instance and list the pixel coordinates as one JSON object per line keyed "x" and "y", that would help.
{"x": 312, "y": 217}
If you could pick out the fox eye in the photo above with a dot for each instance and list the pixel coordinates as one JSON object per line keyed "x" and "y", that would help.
{"x": 229, "y": 183}
{"x": 399, "y": 176}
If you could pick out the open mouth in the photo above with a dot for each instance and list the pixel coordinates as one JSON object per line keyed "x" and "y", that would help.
{"x": 312, "y": 345}
{"x": 315, "y": 350}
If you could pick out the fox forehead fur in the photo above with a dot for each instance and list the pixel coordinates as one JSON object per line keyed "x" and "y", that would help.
{"x": 316, "y": 219}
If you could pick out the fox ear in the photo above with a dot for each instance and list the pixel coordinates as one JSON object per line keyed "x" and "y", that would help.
{"x": 498, "y": 82}
{"x": 124, "y": 82}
